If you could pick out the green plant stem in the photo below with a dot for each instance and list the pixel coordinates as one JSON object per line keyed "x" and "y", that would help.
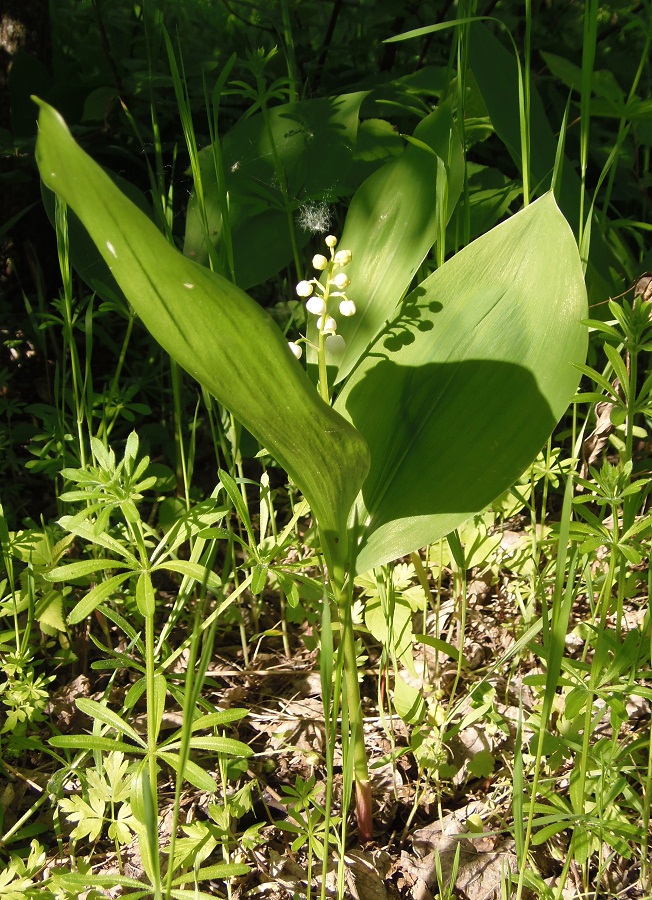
{"x": 181, "y": 468}
{"x": 323, "y": 372}
{"x": 152, "y": 738}
{"x": 361, "y": 769}
{"x": 646, "y": 867}
{"x": 105, "y": 430}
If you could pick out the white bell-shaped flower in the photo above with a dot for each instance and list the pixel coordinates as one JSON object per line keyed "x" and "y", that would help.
{"x": 316, "y": 305}
{"x": 304, "y": 289}
{"x": 341, "y": 281}
{"x": 347, "y": 308}
{"x": 328, "y": 325}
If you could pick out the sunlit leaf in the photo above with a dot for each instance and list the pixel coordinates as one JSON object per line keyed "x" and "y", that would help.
{"x": 455, "y": 412}
{"x": 392, "y": 224}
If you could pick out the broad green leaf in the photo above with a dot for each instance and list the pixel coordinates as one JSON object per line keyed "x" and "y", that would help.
{"x": 231, "y": 870}
{"x": 408, "y": 702}
{"x": 438, "y": 644}
{"x": 453, "y": 415}
{"x": 85, "y": 530}
{"x": 393, "y": 632}
{"x": 312, "y": 141}
{"x": 603, "y": 85}
{"x": 49, "y": 611}
{"x": 216, "y": 332}
{"x": 392, "y": 224}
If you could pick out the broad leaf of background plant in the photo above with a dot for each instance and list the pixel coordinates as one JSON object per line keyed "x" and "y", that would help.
{"x": 454, "y": 414}
{"x": 214, "y": 330}
{"x": 496, "y": 75}
{"x": 391, "y": 225}
{"x": 314, "y": 140}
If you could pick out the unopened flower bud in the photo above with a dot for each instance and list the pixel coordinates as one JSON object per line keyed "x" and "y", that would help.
{"x": 335, "y": 344}
{"x": 304, "y": 289}
{"x": 316, "y": 305}
{"x": 319, "y": 262}
{"x": 347, "y": 308}
{"x": 328, "y": 325}
{"x": 341, "y": 281}
{"x": 295, "y": 349}
{"x": 342, "y": 258}
{"x": 331, "y": 241}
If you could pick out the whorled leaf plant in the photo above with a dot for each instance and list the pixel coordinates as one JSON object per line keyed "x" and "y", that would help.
{"x": 446, "y": 395}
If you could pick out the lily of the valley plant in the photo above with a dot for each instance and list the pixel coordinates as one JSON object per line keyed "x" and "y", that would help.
{"x": 442, "y": 396}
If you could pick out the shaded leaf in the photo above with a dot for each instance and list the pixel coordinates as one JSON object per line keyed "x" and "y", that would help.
{"x": 312, "y": 140}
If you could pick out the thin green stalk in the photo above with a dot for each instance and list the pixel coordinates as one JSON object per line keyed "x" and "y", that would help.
{"x": 183, "y": 487}
{"x": 646, "y": 862}
{"x": 331, "y": 693}
{"x": 213, "y": 106}
{"x": 356, "y": 727}
{"x": 524, "y": 104}
{"x": 459, "y": 592}
{"x": 193, "y": 682}
{"x": 152, "y": 773}
{"x": 643, "y": 64}
{"x": 69, "y": 319}
{"x": 588, "y": 61}
{"x": 290, "y": 57}
{"x": 105, "y": 430}
{"x": 323, "y": 372}
{"x": 554, "y": 639}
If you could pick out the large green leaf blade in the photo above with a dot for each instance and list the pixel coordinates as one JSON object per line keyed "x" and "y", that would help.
{"x": 453, "y": 415}
{"x": 391, "y": 225}
{"x": 215, "y": 331}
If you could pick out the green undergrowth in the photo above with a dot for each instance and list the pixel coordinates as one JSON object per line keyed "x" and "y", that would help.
{"x": 200, "y": 674}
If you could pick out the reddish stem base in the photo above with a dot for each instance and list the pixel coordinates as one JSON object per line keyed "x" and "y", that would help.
{"x": 363, "y": 811}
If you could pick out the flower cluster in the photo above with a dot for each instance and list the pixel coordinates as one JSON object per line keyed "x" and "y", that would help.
{"x": 317, "y": 296}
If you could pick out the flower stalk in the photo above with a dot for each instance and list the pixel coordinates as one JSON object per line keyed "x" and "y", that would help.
{"x": 321, "y": 297}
